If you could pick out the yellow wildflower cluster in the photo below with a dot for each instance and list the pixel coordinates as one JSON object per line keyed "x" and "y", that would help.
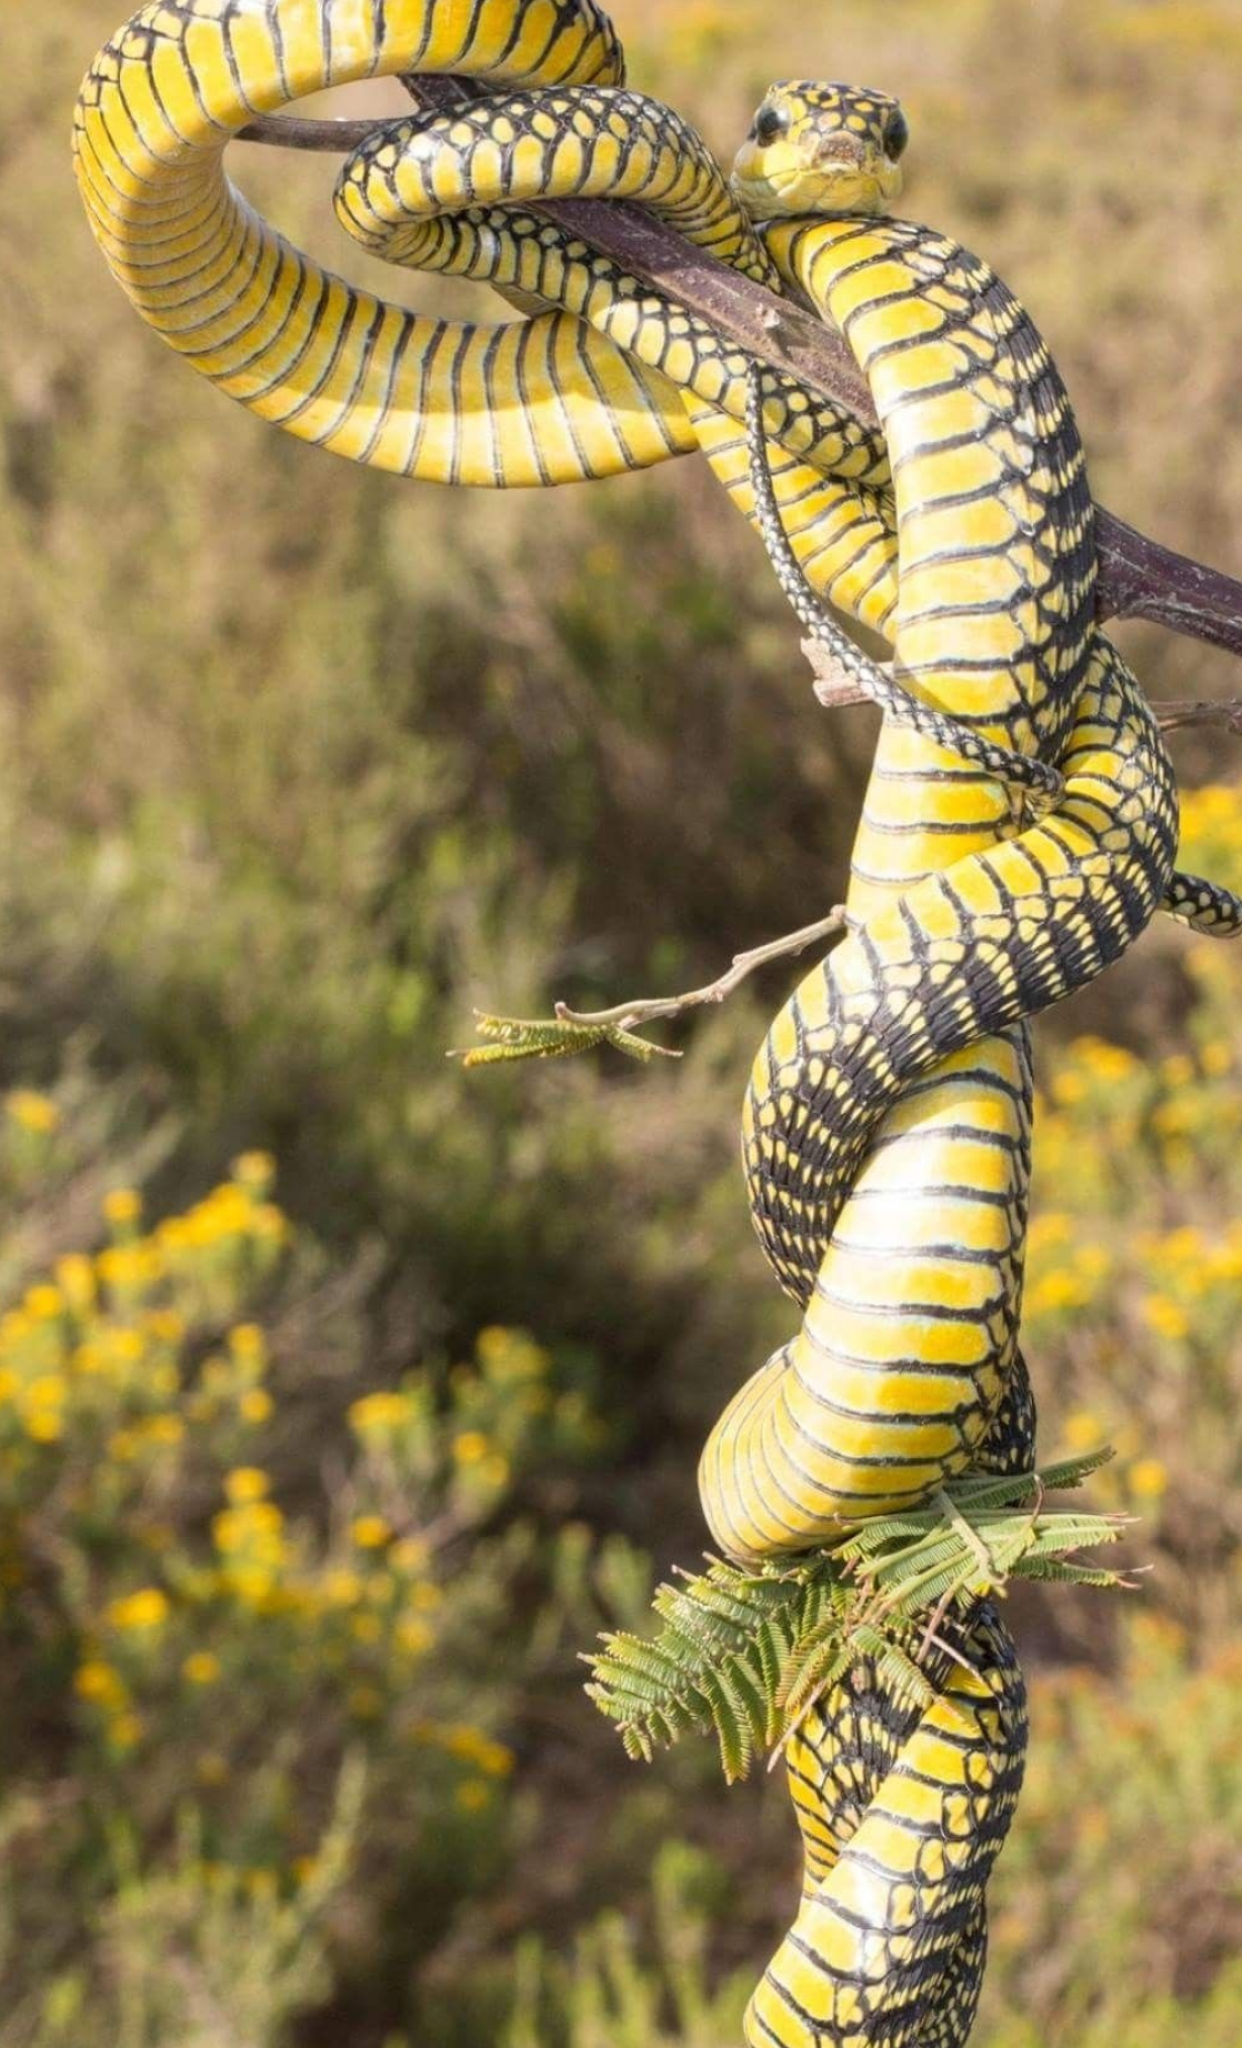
{"x": 1211, "y": 838}
{"x": 97, "y": 1344}
{"x": 1134, "y": 1270}
{"x": 468, "y": 1744}
{"x": 501, "y": 1410}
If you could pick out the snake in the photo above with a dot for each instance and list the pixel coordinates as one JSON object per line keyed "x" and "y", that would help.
{"x": 1019, "y": 826}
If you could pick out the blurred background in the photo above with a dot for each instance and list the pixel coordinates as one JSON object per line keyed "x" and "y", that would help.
{"x": 344, "y": 1397}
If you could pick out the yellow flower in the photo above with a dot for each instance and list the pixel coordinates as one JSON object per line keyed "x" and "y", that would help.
{"x": 1149, "y": 1478}
{"x": 1092, "y": 1262}
{"x": 379, "y": 1413}
{"x": 1177, "y": 1071}
{"x": 1050, "y": 1227}
{"x": 126, "y": 1731}
{"x": 473, "y": 1795}
{"x": 366, "y": 1628}
{"x": 261, "y": 1884}
{"x": 43, "y": 1304}
{"x": 75, "y": 1277}
{"x": 1216, "y": 1058}
{"x": 370, "y": 1532}
{"x": 255, "y": 1405}
{"x": 247, "y": 1341}
{"x": 1083, "y": 1430}
{"x": 1107, "y": 1062}
{"x": 126, "y": 1267}
{"x": 1069, "y": 1089}
{"x": 342, "y": 1589}
{"x": 211, "y": 1768}
{"x": 470, "y": 1447}
{"x": 165, "y": 1429}
{"x": 99, "y": 1683}
{"x": 1056, "y": 1291}
{"x": 254, "y": 1170}
{"x": 123, "y": 1206}
{"x": 166, "y": 1326}
{"x": 425, "y": 1598}
{"x": 244, "y": 1484}
{"x": 145, "y": 1609}
{"x": 410, "y": 1555}
{"x": 1185, "y": 1244}
{"x": 414, "y": 1637}
{"x": 45, "y": 1426}
{"x": 472, "y": 1746}
{"x": 31, "y": 1111}
{"x": 201, "y": 1668}
{"x": 47, "y": 1391}
{"x": 1166, "y": 1317}
{"x": 496, "y": 1470}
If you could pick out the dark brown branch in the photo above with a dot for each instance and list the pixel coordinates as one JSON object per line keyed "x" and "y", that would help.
{"x": 290, "y": 131}
{"x": 1139, "y": 578}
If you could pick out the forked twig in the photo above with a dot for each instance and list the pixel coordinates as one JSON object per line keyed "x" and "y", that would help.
{"x": 570, "y": 1031}
{"x": 626, "y": 1015}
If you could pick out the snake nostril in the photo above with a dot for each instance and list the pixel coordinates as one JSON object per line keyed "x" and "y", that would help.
{"x": 840, "y": 149}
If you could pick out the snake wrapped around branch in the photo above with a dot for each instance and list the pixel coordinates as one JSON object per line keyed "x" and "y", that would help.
{"x": 1020, "y": 821}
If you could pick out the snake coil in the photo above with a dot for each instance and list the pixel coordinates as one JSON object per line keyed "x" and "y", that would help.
{"x": 887, "y": 1127}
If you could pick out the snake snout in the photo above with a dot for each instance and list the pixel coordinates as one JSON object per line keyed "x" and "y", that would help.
{"x": 841, "y": 149}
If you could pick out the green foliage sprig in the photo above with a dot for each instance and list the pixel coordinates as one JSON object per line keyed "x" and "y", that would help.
{"x": 747, "y": 1653}
{"x": 551, "y": 1038}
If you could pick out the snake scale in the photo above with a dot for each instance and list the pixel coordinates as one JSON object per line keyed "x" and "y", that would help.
{"x": 1019, "y": 825}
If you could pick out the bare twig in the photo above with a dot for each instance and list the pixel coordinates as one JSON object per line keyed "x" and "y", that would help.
{"x": 625, "y": 1016}
{"x": 1139, "y": 578}
{"x": 833, "y": 687}
{"x": 571, "y": 1031}
{"x": 1173, "y": 716}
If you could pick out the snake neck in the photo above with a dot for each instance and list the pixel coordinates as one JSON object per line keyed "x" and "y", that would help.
{"x": 995, "y": 614}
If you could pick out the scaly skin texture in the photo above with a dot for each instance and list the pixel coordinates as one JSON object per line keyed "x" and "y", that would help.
{"x": 889, "y": 1184}
{"x": 888, "y": 1122}
{"x": 547, "y": 401}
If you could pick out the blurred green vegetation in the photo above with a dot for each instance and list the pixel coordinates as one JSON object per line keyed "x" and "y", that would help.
{"x": 308, "y": 1496}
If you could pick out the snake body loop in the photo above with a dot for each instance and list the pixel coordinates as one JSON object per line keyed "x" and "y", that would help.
{"x": 887, "y": 1128}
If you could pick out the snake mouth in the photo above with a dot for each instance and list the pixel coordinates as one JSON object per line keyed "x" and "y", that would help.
{"x": 842, "y": 176}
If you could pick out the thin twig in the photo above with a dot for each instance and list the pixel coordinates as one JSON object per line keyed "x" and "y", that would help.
{"x": 1176, "y": 715}
{"x": 1139, "y": 577}
{"x": 624, "y": 1016}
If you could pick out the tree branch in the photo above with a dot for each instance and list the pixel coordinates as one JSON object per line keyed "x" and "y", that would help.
{"x": 1139, "y": 577}
{"x": 834, "y": 689}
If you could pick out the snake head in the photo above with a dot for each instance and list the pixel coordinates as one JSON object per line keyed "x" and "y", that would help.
{"x": 821, "y": 149}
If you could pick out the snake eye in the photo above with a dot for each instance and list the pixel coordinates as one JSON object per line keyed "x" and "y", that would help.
{"x": 896, "y": 135}
{"x": 770, "y": 122}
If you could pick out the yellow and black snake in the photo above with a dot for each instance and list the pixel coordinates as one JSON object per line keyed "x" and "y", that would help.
{"x": 1019, "y": 826}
